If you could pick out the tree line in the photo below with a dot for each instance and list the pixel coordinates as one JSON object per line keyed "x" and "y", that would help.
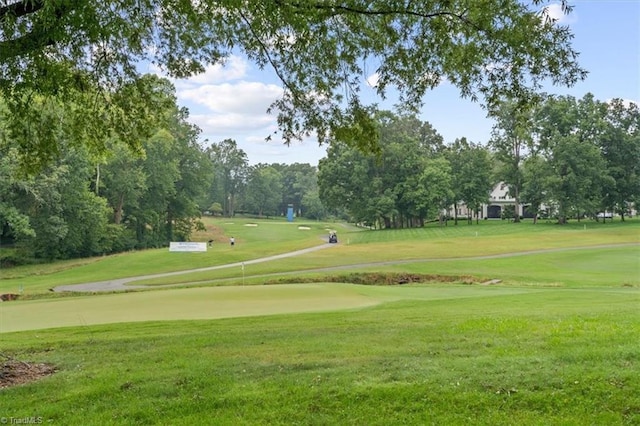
{"x": 84, "y": 202}
{"x": 263, "y": 190}
{"x": 572, "y": 157}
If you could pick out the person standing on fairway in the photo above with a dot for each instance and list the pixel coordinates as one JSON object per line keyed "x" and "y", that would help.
{"x": 232, "y": 241}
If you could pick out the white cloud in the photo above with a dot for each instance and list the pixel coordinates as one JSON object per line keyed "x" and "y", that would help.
{"x": 275, "y": 151}
{"x": 232, "y": 123}
{"x": 231, "y": 69}
{"x": 498, "y": 66}
{"x": 241, "y": 97}
{"x": 554, "y": 12}
{"x": 226, "y": 103}
{"x": 430, "y": 78}
{"x": 372, "y": 80}
{"x": 234, "y": 68}
{"x": 223, "y": 104}
{"x": 234, "y": 111}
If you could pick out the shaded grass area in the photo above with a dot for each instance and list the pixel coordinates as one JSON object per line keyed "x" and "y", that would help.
{"x": 545, "y": 356}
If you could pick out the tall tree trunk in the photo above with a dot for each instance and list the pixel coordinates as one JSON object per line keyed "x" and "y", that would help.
{"x": 169, "y": 226}
{"x": 455, "y": 213}
{"x": 98, "y": 179}
{"x": 562, "y": 215}
{"x": 117, "y": 211}
{"x": 516, "y": 205}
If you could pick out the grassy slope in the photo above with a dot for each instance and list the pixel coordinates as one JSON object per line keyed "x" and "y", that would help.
{"x": 574, "y": 268}
{"x": 551, "y": 356}
{"x": 270, "y": 237}
{"x": 459, "y": 242}
{"x": 526, "y": 353}
{"x": 356, "y": 247}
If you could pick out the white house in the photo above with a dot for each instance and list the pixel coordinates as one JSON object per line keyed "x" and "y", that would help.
{"x": 499, "y": 198}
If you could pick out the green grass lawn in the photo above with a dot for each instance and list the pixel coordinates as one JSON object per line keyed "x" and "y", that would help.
{"x": 428, "y": 355}
{"x": 613, "y": 267}
{"x": 555, "y": 343}
{"x": 196, "y": 303}
{"x": 268, "y": 238}
{"x": 356, "y": 247}
{"x": 433, "y": 249}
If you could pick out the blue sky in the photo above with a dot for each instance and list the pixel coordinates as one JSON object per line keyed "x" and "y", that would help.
{"x": 231, "y": 101}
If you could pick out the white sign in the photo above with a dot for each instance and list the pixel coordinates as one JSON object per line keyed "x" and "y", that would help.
{"x": 187, "y": 246}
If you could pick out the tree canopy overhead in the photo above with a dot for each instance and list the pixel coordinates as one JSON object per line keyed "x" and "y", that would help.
{"x": 322, "y": 51}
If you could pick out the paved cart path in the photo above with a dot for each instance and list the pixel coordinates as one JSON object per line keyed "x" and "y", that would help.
{"x": 120, "y": 284}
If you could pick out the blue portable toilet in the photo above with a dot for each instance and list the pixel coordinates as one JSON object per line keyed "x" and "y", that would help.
{"x": 290, "y": 213}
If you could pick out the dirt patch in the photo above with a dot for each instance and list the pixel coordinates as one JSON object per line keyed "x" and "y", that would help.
{"x": 15, "y": 372}
{"x": 381, "y": 279}
{"x": 8, "y": 297}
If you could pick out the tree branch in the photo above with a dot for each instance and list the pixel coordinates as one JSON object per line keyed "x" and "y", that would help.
{"x": 35, "y": 40}
{"x": 21, "y": 8}
{"x": 336, "y": 9}
{"x": 267, "y": 55}
{"x": 39, "y": 37}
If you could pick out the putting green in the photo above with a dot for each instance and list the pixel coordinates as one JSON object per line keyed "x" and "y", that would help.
{"x": 217, "y": 302}
{"x": 186, "y": 304}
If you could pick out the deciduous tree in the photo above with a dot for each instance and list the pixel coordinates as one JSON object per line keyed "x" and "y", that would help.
{"x": 231, "y": 167}
{"x": 322, "y": 51}
{"x": 391, "y": 189}
{"x": 511, "y": 142}
{"x": 471, "y": 176}
{"x": 578, "y": 176}
{"x": 264, "y": 190}
{"x": 620, "y": 147}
